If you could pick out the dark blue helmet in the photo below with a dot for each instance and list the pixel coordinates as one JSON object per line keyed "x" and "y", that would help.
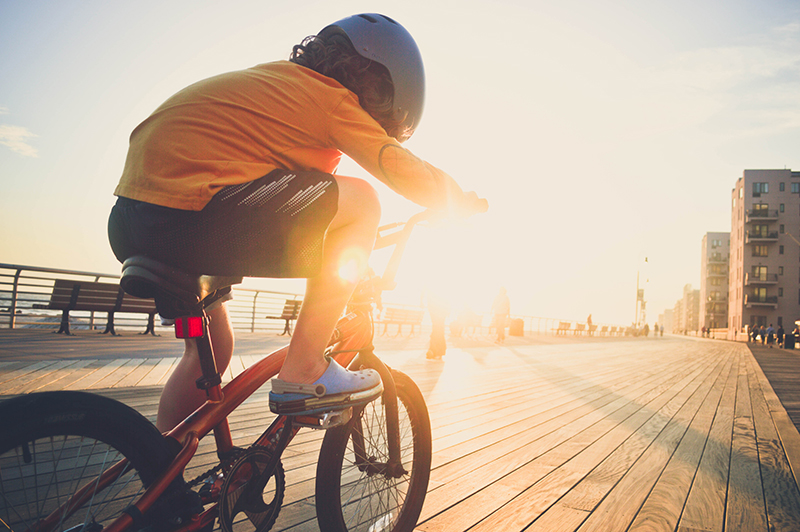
{"x": 383, "y": 40}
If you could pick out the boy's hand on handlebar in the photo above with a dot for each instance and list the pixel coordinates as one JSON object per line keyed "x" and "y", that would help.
{"x": 471, "y": 204}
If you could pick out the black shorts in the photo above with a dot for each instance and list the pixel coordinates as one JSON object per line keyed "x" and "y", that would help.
{"x": 271, "y": 227}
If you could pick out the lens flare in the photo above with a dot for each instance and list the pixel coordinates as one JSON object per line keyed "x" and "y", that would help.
{"x": 352, "y": 265}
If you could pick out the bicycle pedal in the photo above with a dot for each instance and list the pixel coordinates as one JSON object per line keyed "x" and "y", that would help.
{"x": 326, "y": 420}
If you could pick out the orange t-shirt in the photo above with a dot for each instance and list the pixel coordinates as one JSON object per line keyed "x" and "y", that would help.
{"x": 237, "y": 127}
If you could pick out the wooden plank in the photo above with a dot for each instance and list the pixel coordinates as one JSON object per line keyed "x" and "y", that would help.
{"x": 537, "y": 498}
{"x": 50, "y": 378}
{"x": 98, "y": 374}
{"x": 7, "y": 379}
{"x": 780, "y": 489}
{"x": 66, "y": 381}
{"x": 705, "y": 505}
{"x": 663, "y": 506}
{"x": 162, "y": 368}
{"x": 507, "y": 518}
{"x": 138, "y": 373}
{"x": 745, "y": 505}
{"x": 19, "y": 384}
{"x": 644, "y": 427}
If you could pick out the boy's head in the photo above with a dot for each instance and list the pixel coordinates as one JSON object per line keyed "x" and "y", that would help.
{"x": 377, "y": 59}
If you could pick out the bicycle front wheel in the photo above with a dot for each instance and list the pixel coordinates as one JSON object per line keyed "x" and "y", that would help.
{"x": 56, "y": 443}
{"x": 355, "y": 491}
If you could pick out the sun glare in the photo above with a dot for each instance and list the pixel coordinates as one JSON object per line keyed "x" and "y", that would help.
{"x": 352, "y": 265}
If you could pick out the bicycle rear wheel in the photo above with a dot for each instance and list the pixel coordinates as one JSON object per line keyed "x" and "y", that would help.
{"x": 55, "y": 443}
{"x": 354, "y": 490}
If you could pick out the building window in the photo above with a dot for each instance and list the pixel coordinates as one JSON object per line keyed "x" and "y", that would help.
{"x": 780, "y": 270}
{"x": 760, "y": 231}
{"x": 782, "y": 187}
{"x": 780, "y": 291}
{"x": 782, "y": 207}
{"x": 795, "y": 188}
{"x": 780, "y": 250}
{"x": 760, "y": 188}
{"x": 760, "y": 251}
{"x": 781, "y": 229}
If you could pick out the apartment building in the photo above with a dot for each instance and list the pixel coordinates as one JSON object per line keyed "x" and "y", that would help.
{"x": 764, "y": 258}
{"x": 713, "y": 299}
{"x": 686, "y": 312}
{"x": 665, "y": 319}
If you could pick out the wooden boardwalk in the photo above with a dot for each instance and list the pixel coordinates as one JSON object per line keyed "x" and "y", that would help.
{"x": 591, "y": 435}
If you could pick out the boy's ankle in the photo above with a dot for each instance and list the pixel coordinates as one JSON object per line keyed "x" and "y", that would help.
{"x": 303, "y": 373}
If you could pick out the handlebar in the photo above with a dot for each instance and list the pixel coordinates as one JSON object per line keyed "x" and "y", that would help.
{"x": 402, "y": 231}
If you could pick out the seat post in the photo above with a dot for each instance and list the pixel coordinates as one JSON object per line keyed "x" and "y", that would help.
{"x": 210, "y": 382}
{"x": 211, "y": 379}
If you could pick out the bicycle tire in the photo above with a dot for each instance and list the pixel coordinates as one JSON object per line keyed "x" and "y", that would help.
{"x": 349, "y": 499}
{"x": 54, "y": 443}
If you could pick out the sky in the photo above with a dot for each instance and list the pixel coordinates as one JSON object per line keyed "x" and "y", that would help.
{"x": 606, "y": 135}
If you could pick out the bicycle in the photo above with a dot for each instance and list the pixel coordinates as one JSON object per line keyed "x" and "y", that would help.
{"x": 74, "y": 461}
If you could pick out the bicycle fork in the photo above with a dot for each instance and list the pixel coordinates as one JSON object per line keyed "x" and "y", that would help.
{"x": 394, "y": 467}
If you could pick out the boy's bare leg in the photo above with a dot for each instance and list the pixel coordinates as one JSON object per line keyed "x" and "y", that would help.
{"x": 181, "y": 396}
{"x": 348, "y": 243}
{"x": 350, "y": 235}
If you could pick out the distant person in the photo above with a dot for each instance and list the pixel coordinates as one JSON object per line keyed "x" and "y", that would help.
{"x": 646, "y": 330}
{"x": 501, "y": 310}
{"x": 770, "y": 336}
{"x": 763, "y": 333}
{"x": 589, "y": 324}
{"x": 792, "y": 338}
{"x": 655, "y": 330}
{"x": 662, "y": 330}
{"x": 781, "y": 335}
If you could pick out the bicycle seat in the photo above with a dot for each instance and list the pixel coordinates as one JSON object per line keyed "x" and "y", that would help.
{"x": 177, "y": 292}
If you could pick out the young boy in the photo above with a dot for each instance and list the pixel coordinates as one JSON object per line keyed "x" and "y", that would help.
{"x": 233, "y": 175}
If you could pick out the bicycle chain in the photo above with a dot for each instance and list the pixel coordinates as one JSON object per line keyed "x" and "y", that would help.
{"x": 236, "y": 452}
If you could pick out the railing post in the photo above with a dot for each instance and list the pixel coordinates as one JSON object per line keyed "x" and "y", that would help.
{"x": 13, "y": 308}
{"x": 253, "y": 315}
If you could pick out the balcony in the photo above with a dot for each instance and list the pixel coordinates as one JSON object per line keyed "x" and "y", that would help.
{"x": 761, "y": 279}
{"x": 712, "y": 271}
{"x": 717, "y": 259}
{"x": 760, "y": 237}
{"x": 761, "y": 215}
{"x": 751, "y": 301}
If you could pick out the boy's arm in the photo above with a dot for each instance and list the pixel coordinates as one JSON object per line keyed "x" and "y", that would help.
{"x": 356, "y": 134}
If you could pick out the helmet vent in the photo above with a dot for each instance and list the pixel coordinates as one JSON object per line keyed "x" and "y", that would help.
{"x": 369, "y": 18}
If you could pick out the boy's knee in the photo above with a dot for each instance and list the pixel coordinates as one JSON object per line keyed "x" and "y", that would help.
{"x": 358, "y": 198}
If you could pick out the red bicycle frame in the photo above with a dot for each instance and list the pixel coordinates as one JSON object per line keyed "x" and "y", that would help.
{"x": 352, "y": 337}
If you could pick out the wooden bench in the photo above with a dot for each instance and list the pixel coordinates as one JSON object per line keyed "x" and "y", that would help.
{"x": 467, "y": 322}
{"x": 579, "y": 328}
{"x": 563, "y": 327}
{"x": 97, "y": 297}
{"x": 401, "y": 316}
{"x": 603, "y": 330}
{"x": 291, "y": 308}
{"x": 612, "y": 331}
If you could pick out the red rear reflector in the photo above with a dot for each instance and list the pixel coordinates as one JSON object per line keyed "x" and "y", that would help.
{"x": 191, "y": 327}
